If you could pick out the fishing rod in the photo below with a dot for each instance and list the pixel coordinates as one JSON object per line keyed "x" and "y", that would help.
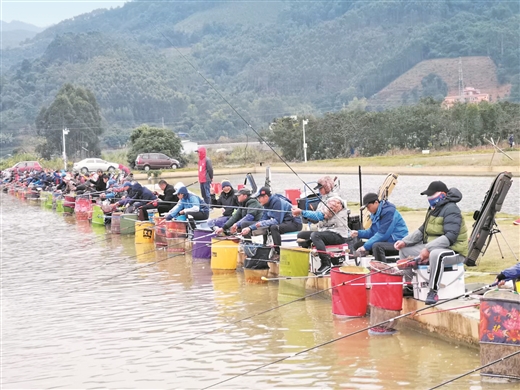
{"x": 248, "y": 124}
{"x": 347, "y": 335}
{"x": 266, "y": 311}
{"x": 476, "y": 369}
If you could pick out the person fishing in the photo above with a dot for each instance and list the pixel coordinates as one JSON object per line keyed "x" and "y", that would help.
{"x": 190, "y": 207}
{"x": 388, "y": 226}
{"x": 250, "y": 210}
{"x": 227, "y": 200}
{"x": 276, "y": 219}
{"x": 168, "y": 199}
{"x": 442, "y": 240}
{"x": 205, "y": 174}
{"x": 511, "y": 273}
{"x": 332, "y": 229}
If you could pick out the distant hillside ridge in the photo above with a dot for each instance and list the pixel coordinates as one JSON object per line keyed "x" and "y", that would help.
{"x": 478, "y": 72}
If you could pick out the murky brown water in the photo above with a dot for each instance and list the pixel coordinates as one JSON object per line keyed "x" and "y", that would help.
{"x": 78, "y": 312}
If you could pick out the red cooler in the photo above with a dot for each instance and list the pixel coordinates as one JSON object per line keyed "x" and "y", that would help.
{"x": 351, "y": 299}
{"x": 293, "y": 195}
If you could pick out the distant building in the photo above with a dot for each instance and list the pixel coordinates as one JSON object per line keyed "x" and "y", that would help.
{"x": 189, "y": 146}
{"x": 469, "y": 95}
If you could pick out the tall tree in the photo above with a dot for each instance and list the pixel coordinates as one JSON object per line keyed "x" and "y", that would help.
{"x": 146, "y": 139}
{"x": 75, "y": 109}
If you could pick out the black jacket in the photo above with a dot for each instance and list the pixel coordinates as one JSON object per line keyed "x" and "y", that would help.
{"x": 169, "y": 196}
{"x": 229, "y": 201}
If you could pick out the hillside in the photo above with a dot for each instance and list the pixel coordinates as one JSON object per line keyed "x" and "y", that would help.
{"x": 478, "y": 72}
{"x": 269, "y": 59}
{"x": 14, "y": 32}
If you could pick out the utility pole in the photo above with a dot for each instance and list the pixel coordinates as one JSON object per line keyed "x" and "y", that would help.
{"x": 461, "y": 82}
{"x": 304, "y": 122}
{"x": 64, "y": 133}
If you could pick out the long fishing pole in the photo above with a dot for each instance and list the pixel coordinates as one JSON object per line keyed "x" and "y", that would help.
{"x": 345, "y": 336}
{"x": 476, "y": 369}
{"x": 269, "y": 310}
{"x": 248, "y": 124}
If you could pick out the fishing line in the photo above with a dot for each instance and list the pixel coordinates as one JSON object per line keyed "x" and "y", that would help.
{"x": 247, "y": 123}
{"x": 476, "y": 369}
{"x": 345, "y": 336}
{"x": 266, "y": 311}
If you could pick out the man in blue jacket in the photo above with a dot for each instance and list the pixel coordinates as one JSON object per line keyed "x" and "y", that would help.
{"x": 277, "y": 219}
{"x": 190, "y": 206}
{"x": 388, "y": 226}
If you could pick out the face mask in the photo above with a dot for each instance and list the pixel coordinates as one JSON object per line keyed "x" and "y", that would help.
{"x": 433, "y": 200}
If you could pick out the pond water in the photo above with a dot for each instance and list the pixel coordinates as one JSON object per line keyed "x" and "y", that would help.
{"x": 82, "y": 308}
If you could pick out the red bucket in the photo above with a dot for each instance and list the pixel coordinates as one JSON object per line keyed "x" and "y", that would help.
{"x": 386, "y": 291}
{"x": 293, "y": 195}
{"x": 351, "y": 299}
{"x": 176, "y": 229}
{"x": 217, "y": 187}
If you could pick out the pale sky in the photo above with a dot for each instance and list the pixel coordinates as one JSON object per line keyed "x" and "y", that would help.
{"x": 43, "y": 13}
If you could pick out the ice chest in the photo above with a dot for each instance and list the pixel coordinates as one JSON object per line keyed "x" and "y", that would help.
{"x": 451, "y": 285}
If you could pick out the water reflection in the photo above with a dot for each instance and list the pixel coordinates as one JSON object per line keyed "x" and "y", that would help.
{"x": 83, "y": 310}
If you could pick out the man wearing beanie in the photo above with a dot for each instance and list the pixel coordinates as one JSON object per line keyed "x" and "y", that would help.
{"x": 227, "y": 200}
{"x": 388, "y": 226}
{"x": 442, "y": 240}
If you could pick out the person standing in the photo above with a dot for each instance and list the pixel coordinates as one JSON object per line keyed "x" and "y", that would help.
{"x": 511, "y": 141}
{"x": 205, "y": 174}
{"x": 442, "y": 240}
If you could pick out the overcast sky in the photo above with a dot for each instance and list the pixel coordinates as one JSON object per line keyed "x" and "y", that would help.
{"x": 44, "y": 13}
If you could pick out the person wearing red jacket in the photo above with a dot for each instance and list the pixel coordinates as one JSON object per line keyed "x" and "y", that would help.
{"x": 205, "y": 174}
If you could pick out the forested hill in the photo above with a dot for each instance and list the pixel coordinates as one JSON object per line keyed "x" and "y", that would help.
{"x": 269, "y": 59}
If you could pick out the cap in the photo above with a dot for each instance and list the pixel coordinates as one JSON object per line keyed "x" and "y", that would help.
{"x": 183, "y": 191}
{"x": 435, "y": 186}
{"x": 370, "y": 198}
{"x": 127, "y": 184}
{"x": 177, "y": 186}
{"x": 264, "y": 191}
{"x": 244, "y": 191}
{"x": 226, "y": 183}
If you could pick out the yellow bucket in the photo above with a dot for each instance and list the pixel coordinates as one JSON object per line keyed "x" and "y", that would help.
{"x": 294, "y": 261}
{"x": 98, "y": 216}
{"x": 143, "y": 232}
{"x": 224, "y": 254}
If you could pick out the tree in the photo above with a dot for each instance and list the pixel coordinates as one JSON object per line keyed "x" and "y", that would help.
{"x": 146, "y": 139}
{"x": 434, "y": 86}
{"x": 76, "y": 109}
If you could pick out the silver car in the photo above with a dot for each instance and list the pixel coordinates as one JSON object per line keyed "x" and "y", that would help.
{"x": 93, "y": 164}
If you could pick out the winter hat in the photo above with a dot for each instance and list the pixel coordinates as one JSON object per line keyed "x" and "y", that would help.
{"x": 226, "y": 183}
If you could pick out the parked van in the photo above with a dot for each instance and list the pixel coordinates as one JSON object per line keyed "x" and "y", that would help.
{"x": 147, "y": 161}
